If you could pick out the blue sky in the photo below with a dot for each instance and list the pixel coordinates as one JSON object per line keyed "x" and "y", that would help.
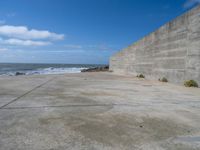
{"x": 78, "y": 31}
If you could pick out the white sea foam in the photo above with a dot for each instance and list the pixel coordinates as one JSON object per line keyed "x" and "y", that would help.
{"x": 49, "y": 70}
{"x": 56, "y": 71}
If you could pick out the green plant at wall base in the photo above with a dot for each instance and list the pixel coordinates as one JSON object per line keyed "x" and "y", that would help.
{"x": 140, "y": 76}
{"x": 191, "y": 83}
{"x": 163, "y": 79}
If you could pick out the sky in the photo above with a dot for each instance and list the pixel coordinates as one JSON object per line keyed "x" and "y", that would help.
{"x": 79, "y": 31}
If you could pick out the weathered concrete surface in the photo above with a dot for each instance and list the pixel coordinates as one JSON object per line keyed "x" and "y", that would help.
{"x": 173, "y": 51}
{"x": 99, "y": 111}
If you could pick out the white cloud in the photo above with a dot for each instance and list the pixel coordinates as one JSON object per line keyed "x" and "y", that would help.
{"x": 100, "y": 47}
{"x": 22, "y": 32}
{"x": 190, "y": 3}
{"x": 3, "y": 49}
{"x": 12, "y": 14}
{"x": 69, "y": 46}
{"x": 60, "y": 51}
{"x": 22, "y": 36}
{"x": 25, "y": 42}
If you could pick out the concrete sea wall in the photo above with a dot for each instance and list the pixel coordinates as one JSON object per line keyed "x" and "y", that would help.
{"x": 173, "y": 51}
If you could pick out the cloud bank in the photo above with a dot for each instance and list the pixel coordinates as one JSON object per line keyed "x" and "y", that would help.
{"x": 22, "y": 36}
{"x": 3, "y": 49}
{"x": 22, "y": 32}
{"x": 25, "y": 42}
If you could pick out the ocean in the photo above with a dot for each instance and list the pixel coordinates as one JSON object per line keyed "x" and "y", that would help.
{"x": 12, "y": 69}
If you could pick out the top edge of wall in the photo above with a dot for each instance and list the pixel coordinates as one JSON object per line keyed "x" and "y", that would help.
{"x": 176, "y": 18}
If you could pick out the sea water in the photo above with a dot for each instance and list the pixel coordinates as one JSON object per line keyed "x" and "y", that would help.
{"x": 30, "y": 69}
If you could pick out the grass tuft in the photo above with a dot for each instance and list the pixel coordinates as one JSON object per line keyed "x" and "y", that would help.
{"x": 140, "y": 76}
{"x": 191, "y": 83}
{"x": 163, "y": 79}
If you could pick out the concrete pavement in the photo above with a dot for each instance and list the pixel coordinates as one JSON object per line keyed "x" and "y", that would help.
{"x": 97, "y": 111}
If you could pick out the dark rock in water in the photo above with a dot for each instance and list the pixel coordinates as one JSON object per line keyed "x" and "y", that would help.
{"x": 96, "y": 69}
{"x": 19, "y": 73}
{"x": 106, "y": 67}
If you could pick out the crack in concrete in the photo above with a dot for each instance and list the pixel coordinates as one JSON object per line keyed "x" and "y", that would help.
{"x": 76, "y": 105}
{"x": 12, "y": 101}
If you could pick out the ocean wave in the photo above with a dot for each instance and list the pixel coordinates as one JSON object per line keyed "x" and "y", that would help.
{"x": 49, "y": 70}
